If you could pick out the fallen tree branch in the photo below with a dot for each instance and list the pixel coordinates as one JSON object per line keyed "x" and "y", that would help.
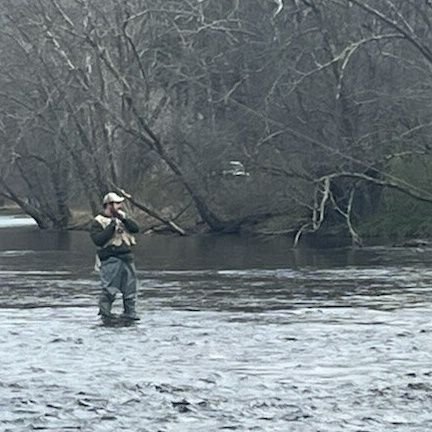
{"x": 318, "y": 209}
{"x": 411, "y": 191}
{"x": 324, "y": 182}
{"x": 356, "y": 239}
{"x": 30, "y": 210}
{"x": 169, "y": 223}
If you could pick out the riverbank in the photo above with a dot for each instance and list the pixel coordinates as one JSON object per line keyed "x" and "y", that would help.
{"x": 400, "y": 231}
{"x": 11, "y": 211}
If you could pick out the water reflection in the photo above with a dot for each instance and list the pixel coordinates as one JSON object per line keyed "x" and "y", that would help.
{"x": 236, "y": 333}
{"x": 15, "y": 221}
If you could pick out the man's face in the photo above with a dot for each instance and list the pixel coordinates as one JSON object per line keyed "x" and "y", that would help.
{"x": 112, "y": 208}
{"x": 116, "y": 206}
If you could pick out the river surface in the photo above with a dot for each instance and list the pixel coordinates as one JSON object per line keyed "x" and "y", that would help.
{"x": 236, "y": 334}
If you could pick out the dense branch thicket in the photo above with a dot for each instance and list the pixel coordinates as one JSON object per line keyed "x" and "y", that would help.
{"x": 283, "y": 116}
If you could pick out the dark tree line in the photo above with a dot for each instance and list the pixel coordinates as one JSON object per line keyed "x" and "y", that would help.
{"x": 229, "y": 112}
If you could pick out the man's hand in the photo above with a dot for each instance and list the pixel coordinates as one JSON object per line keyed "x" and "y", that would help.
{"x": 120, "y": 214}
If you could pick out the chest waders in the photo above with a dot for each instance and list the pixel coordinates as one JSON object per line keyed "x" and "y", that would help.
{"x": 118, "y": 275}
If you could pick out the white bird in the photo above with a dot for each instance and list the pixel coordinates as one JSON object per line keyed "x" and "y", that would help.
{"x": 237, "y": 169}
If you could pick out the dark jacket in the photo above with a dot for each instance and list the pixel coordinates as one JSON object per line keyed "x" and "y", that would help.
{"x": 101, "y": 236}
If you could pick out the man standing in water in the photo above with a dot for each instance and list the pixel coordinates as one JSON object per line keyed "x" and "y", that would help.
{"x": 111, "y": 231}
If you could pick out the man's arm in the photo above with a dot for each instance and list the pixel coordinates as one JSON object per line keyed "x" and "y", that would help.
{"x": 99, "y": 235}
{"x": 129, "y": 223}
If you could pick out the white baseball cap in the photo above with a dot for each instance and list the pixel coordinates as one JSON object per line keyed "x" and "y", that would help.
{"x": 112, "y": 197}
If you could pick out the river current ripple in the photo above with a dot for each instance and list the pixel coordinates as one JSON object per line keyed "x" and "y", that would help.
{"x": 344, "y": 348}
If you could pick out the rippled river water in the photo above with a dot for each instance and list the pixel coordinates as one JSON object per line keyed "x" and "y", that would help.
{"x": 236, "y": 334}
